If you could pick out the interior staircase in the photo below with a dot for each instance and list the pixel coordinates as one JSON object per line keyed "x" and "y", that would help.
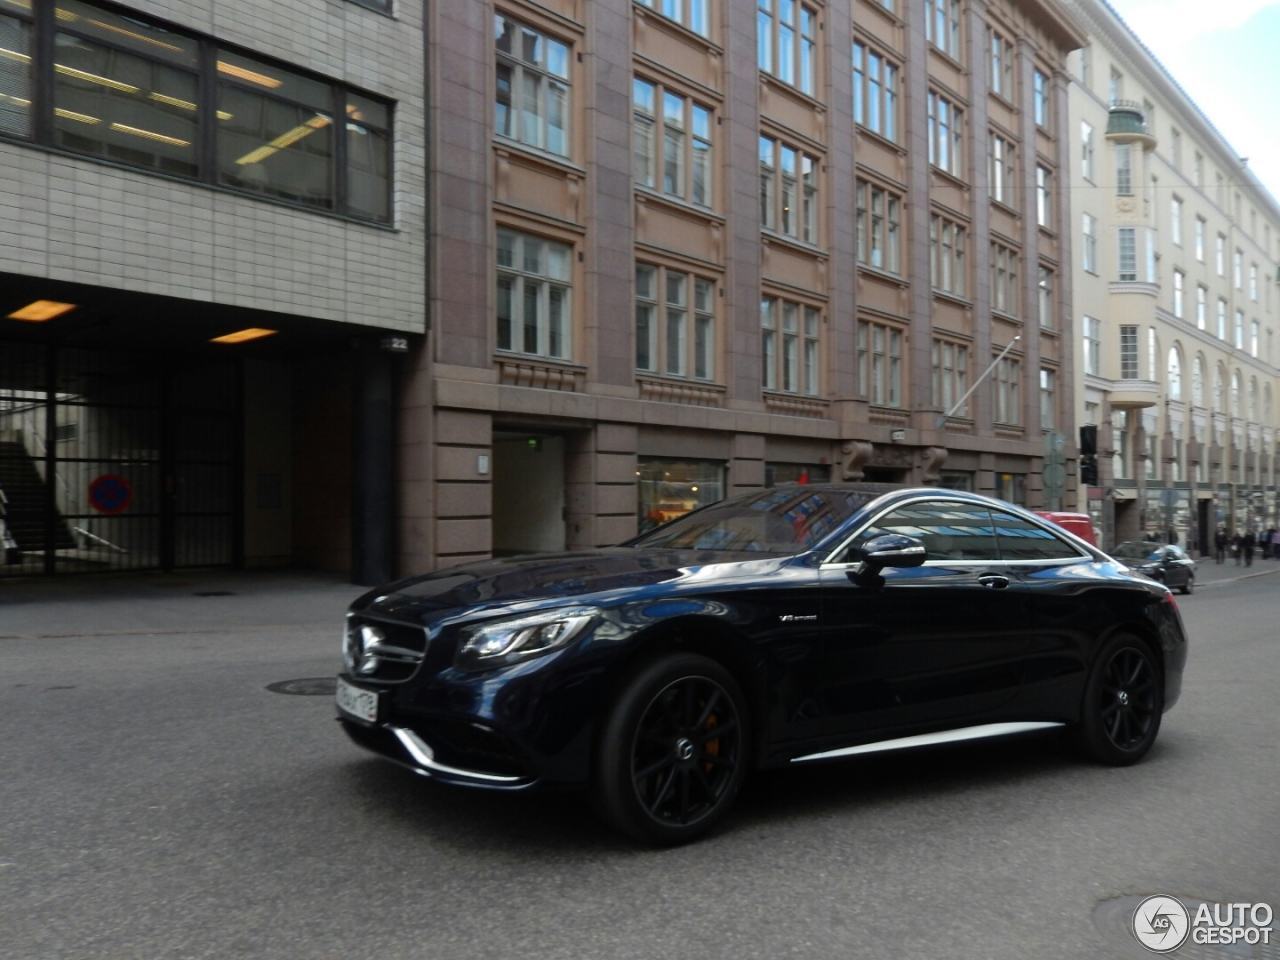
{"x": 24, "y": 502}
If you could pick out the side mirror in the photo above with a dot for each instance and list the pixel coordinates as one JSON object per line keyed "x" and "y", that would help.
{"x": 892, "y": 550}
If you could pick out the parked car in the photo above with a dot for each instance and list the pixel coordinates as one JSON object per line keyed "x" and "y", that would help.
{"x": 1081, "y": 524}
{"x": 1167, "y": 564}
{"x": 790, "y": 626}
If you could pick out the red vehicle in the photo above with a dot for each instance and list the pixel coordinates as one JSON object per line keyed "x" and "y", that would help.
{"x": 1077, "y": 523}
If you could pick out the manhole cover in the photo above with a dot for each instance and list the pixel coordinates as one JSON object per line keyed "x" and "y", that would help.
{"x": 307, "y": 687}
{"x": 1113, "y": 919}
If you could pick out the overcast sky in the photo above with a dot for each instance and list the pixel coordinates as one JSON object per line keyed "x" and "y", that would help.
{"x": 1226, "y": 56}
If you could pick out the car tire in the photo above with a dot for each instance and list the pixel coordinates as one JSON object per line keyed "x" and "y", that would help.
{"x": 672, "y": 751}
{"x": 1190, "y": 586}
{"x": 1123, "y": 702}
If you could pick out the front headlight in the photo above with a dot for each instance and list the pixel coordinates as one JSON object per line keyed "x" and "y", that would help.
{"x": 508, "y": 641}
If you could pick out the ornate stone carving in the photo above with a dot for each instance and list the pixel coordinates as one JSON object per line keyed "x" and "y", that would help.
{"x": 888, "y": 455}
{"x": 933, "y": 459}
{"x": 856, "y": 454}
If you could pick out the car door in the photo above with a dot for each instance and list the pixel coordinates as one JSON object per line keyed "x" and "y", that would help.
{"x": 1180, "y": 566}
{"x": 938, "y": 643}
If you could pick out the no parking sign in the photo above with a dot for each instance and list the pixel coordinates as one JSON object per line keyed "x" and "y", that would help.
{"x": 110, "y": 494}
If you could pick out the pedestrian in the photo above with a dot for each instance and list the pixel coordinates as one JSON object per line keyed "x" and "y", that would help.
{"x": 1264, "y": 542}
{"x": 1219, "y": 545}
{"x": 1235, "y": 547}
{"x": 1247, "y": 543}
{"x": 1273, "y": 542}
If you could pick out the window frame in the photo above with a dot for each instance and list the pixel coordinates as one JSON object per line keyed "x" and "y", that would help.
{"x": 1041, "y": 106}
{"x": 948, "y": 256}
{"x": 803, "y": 184}
{"x": 875, "y": 92}
{"x": 1091, "y": 334}
{"x": 877, "y": 228}
{"x": 661, "y": 131}
{"x": 41, "y": 132}
{"x": 1044, "y": 196}
{"x": 1004, "y": 278}
{"x": 1003, "y": 172}
{"x": 1001, "y": 77}
{"x": 1044, "y": 297}
{"x": 1006, "y": 383}
{"x": 662, "y": 6}
{"x": 1089, "y": 230}
{"x": 1086, "y": 150}
{"x": 800, "y": 367}
{"x": 880, "y": 368}
{"x": 949, "y": 362}
{"x": 521, "y": 274}
{"x": 520, "y": 68}
{"x": 696, "y": 315}
{"x": 947, "y": 14}
{"x": 945, "y": 134}
{"x": 1127, "y": 254}
{"x": 803, "y": 57}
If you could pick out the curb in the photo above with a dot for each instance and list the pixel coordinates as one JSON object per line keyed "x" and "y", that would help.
{"x": 1247, "y": 576}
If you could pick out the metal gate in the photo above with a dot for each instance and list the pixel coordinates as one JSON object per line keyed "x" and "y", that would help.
{"x": 116, "y": 461}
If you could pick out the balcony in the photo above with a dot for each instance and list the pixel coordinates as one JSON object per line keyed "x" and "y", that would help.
{"x": 1127, "y": 123}
{"x": 1134, "y": 394}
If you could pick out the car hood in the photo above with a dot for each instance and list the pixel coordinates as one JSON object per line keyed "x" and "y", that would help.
{"x": 617, "y": 573}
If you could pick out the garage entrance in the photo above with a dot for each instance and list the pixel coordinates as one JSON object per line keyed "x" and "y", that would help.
{"x": 116, "y": 461}
{"x": 528, "y": 492}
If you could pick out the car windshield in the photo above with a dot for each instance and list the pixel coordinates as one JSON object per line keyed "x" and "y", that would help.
{"x": 1137, "y": 550}
{"x": 786, "y": 519}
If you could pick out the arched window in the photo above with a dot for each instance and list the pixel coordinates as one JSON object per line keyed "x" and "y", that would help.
{"x": 1153, "y": 354}
{"x": 1175, "y": 374}
{"x": 1253, "y": 399}
{"x": 1266, "y": 405}
{"x": 1220, "y": 390}
{"x": 1197, "y": 381}
{"x": 1235, "y": 394}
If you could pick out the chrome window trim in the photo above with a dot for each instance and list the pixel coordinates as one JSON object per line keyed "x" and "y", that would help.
{"x": 827, "y": 564}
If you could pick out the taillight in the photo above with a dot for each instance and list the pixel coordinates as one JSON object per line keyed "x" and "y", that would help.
{"x": 1170, "y": 600}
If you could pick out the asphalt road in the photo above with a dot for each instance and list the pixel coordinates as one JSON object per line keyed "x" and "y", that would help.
{"x": 157, "y": 801}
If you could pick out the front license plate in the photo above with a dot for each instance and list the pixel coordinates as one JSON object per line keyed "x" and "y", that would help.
{"x": 359, "y": 703}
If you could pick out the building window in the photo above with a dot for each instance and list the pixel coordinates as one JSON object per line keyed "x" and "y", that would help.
{"x": 1175, "y": 142}
{"x": 1044, "y": 288}
{"x": 945, "y": 134}
{"x": 134, "y": 92}
{"x": 1174, "y": 371}
{"x": 1003, "y": 171}
{"x": 789, "y": 346}
{"x": 1222, "y": 319}
{"x": 950, "y": 376}
{"x": 1253, "y": 282}
{"x": 665, "y": 341}
{"x": 1200, "y": 224}
{"x": 1090, "y": 246}
{"x": 1128, "y": 352}
{"x": 880, "y": 363}
{"x": 1048, "y": 400}
{"x": 1128, "y": 248}
{"x": 1115, "y": 87}
{"x": 875, "y": 92}
{"x": 1002, "y": 66}
{"x": 1199, "y": 170}
{"x": 1237, "y": 268}
{"x": 786, "y": 36}
{"x": 1005, "y": 385}
{"x": 1179, "y": 280}
{"x": 1220, "y": 255}
{"x": 788, "y": 190}
{"x": 1151, "y": 255}
{"x": 1124, "y": 169}
{"x": 533, "y": 296}
{"x": 878, "y": 227}
{"x": 693, "y": 14}
{"x": 533, "y": 87}
{"x": 1175, "y": 221}
{"x": 1254, "y": 332}
{"x": 1239, "y": 341}
{"x": 1093, "y": 346}
{"x": 942, "y": 25}
{"x": 683, "y": 166}
{"x": 947, "y": 256}
{"x": 668, "y": 489}
{"x": 1041, "y": 103}
{"x": 1197, "y": 381}
{"x": 1086, "y": 150}
{"x": 1043, "y": 197}
{"x": 1202, "y": 306}
{"x": 1004, "y": 279}
{"x": 1153, "y": 354}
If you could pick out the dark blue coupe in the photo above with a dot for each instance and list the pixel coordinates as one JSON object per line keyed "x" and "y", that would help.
{"x": 789, "y": 626}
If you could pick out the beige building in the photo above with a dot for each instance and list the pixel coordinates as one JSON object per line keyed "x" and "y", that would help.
{"x": 689, "y": 248}
{"x": 1176, "y": 300}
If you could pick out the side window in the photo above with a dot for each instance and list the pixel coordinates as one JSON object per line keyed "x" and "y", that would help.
{"x": 950, "y": 530}
{"x": 1023, "y": 540}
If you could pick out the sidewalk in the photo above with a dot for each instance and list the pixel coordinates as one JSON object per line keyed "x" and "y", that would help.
{"x": 1209, "y": 573}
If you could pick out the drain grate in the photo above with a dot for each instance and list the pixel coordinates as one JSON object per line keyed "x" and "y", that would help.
{"x": 1113, "y": 919}
{"x": 307, "y": 687}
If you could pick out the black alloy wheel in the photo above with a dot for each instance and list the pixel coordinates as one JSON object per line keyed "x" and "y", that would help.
{"x": 673, "y": 751}
{"x": 1189, "y": 587}
{"x": 1123, "y": 702}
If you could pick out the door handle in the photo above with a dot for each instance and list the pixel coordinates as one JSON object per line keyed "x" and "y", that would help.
{"x": 994, "y": 581}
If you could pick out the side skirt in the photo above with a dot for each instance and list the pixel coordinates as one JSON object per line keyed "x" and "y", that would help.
{"x": 930, "y": 739}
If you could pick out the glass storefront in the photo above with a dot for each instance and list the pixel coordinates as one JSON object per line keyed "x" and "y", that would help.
{"x": 671, "y": 488}
{"x": 956, "y": 480}
{"x": 1012, "y": 488}
{"x": 801, "y": 473}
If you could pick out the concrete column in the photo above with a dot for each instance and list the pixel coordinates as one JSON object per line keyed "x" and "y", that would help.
{"x": 841, "y": 330}
{"x": 915, "y": 131}
{"x": 980, "y": 405}
{"x": 1030, "y": 343}
{"x": 373, "y": 467}
{"x": 463, "y": 454}
{"x": 415, "y": 490}
{"x": 746, "y": 468}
